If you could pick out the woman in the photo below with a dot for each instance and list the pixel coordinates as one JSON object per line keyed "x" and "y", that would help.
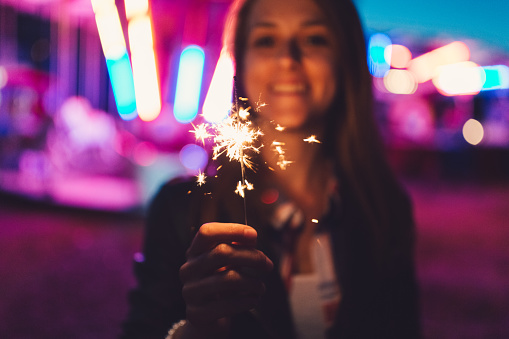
{"x": 329, "y": 253}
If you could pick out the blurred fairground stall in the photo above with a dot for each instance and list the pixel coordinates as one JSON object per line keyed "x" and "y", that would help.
{"x": 97, "y": 97}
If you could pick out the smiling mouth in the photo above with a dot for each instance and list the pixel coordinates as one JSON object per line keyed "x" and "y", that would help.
{"x": 288, "y": 88}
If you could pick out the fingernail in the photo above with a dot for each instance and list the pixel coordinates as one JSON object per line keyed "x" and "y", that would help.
{"x": 250, "y": 233}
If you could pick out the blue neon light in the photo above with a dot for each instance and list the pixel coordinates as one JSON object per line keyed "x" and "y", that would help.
{"x": 187, "y": 94}
{"x": 121, "y": 77}
{"x": 378, "y": 65}
{"x": 497, "y": 77}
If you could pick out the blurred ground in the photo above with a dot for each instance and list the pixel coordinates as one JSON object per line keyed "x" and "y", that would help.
{"x": 65, "y": 273}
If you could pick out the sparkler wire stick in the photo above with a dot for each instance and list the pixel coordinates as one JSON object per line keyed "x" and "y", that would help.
{"x": 242, "y": 166}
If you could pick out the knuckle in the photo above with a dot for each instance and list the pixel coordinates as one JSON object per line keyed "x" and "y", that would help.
{"x": 205, "y": 230}
{"x": 183, "y": 271}
{"x": 222, "y": 251}
{"x": 186, "y": 293}
{"x": 232, "y": 276}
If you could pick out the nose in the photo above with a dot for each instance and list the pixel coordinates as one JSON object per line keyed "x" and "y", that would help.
{"x": 290, "y": 53}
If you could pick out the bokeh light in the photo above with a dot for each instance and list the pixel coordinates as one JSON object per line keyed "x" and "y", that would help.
{"x": 497, "y": 77}
{"x": 145, "y": 153}
{"x": 117, "y": 59}
{"x": 473, "y": 131}
{"x": 378, "y": 60}
{"x": 219, "y": 96}
{"x": 146, "y": 81}
{"x": 424, "y": 66}
{"x": 193, "y": 157}
{"x": 464, "y": 78}
{"x": 400, "y": 56}
{"x": 3, "y": 77}
{"x": 400, "y": 81}
{"x": 189, "y": 80}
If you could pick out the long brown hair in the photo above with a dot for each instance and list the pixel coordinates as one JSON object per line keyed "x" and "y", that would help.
{"x": 352, "y": 138}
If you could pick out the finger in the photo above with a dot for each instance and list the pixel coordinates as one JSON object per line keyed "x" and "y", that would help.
{"x": 225, "y": 285}
{"x": 211, "y": 234}
{"x": 223, "y": 255}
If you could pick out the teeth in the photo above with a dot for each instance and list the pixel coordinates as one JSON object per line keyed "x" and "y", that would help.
{"x": 289, "y": 88}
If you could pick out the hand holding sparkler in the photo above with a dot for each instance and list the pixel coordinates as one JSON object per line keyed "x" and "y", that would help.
{"x": 222, "y": 275}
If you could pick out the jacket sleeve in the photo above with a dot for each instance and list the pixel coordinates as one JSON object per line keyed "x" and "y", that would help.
{"x": 156, "y": 302}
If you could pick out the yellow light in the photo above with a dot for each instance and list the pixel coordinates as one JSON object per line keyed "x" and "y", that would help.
{"x": 140, "y": 32}
{"x": 219, "y": 96}
{"x": 400, "y": 56}
{"x": 473, "y": 132}
{"x": 425, "y": 65}
{"x": 110, "y": 34}
{"x": 464, "y": 78}
{"x": 135, "y": 8}
{"x": 400, "y": 81}
{"x": 312, "y": 139}
{"x": 99, "y": 6}
{"x": 146, "y": 82}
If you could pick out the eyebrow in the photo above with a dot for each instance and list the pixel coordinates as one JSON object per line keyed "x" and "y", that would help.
{"x": 309, "y": 23}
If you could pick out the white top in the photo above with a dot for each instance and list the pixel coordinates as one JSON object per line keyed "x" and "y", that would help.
{"x": 307, "y": 307}
{"x": 314, "y": 298}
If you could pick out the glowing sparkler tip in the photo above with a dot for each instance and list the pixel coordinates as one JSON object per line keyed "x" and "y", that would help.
{"x": 244, "y": 113}
{"x": 279, "y": 128}
{"x": 314, "y": 221}
{"x": 201, "y": 132}
{"x": 242, "y": 187}
{"x": 200, "y": 178}
{"x": 311, "y": 139}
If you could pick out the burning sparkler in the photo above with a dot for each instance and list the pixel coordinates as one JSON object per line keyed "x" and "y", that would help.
{"x": 200, "y": 178}
{"x": 236, "y": 137}
{"x": 311, "y": 139}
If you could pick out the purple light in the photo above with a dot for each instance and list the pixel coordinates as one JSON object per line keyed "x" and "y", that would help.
{"x": 193, "y": 157}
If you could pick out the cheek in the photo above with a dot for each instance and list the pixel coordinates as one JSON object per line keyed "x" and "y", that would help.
{"x": 255, "y": 70}
{"x": 324, "y": 74}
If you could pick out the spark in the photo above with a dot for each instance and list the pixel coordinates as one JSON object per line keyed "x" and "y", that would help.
{"x": 314, "y": 221}
{"x": 232, "y": 137}
{"x": 280, "y": 152}
{"x": 242, "y": 187}
{"x": 311, "y": 139}
{"x": 244, "y": 113}
{"x": 259, "y": 103}
{"x": 280, "y": 128}
{"x": 201, "y": 132}
{"x": 200, "y": 178}
{"x": 235, "y": 138}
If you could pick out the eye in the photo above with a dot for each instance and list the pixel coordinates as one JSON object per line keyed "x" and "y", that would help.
{"x": 264, "y": 41}
{"x": 317, "y": 40}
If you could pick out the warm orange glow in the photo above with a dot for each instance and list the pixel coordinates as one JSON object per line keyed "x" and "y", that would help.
{"x": 146, "y": 82}
{"x": 219, "y": 96}
{"x": 135, "y": 8}
{"x": 110, "y": 34}
{"x": 400, "y": 81}
{"x": 140, "y": 32}
{"x": 464, "y": 78}
{"x": 473, "y": 132}
{"x": 425, "y": 65}
{"x": 400, "y": 56}
{"x": 100, "y": 6}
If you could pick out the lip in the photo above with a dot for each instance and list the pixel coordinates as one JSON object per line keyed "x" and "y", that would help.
{"x": 288, "y": 88}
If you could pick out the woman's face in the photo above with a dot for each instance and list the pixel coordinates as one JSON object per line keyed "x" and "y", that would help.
{"x": 290, "y": 61}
